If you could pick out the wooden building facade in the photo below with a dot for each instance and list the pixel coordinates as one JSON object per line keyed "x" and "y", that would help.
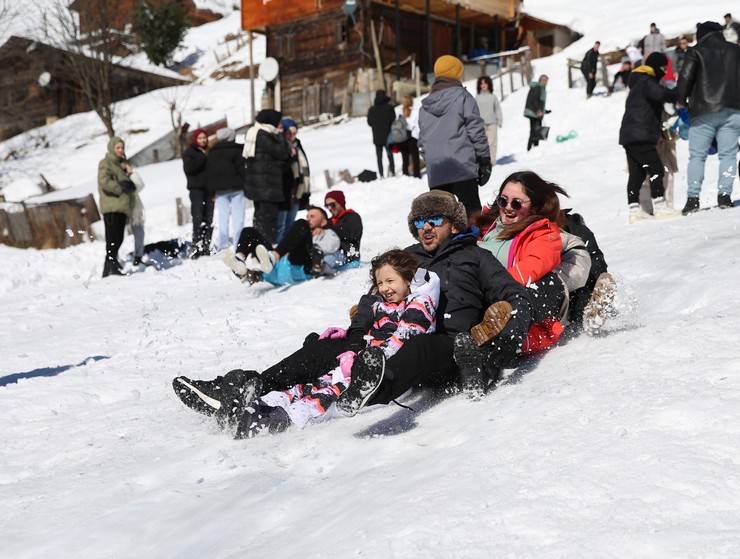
{"x": 323, "y": 45}
{"x": 35, "y": 87}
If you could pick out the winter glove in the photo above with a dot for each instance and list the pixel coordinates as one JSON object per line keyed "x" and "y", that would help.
{"x": 548, "y": 111}
{"x": 494, "y": 320}
{"x": 683, "y": 114}
{"x": 333, "y": 333}
{"x": 484, "y": 171}
{"x": 127, "y": 186}
{"x": 346, "y": 360}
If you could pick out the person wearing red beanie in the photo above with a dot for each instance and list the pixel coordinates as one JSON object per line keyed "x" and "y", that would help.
{"x": 347, "y": 223}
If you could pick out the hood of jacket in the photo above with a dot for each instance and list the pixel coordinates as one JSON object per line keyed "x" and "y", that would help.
{"x": 381, "y": 97}
{"x": 439, "y": 102}
{"x": 111, "y": 148}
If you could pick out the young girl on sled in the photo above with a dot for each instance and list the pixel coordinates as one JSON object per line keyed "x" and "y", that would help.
{"x": 402, "y": 303}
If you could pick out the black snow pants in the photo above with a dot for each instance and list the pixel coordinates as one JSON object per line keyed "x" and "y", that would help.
{"x": 115, "y": 224}
{"x": 642, "y": 161}
{"x": 201, "y": 210}
{"x": 266, "y": 220}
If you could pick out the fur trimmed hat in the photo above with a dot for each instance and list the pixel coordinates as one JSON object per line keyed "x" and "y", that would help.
{"x": 437, "y": 202}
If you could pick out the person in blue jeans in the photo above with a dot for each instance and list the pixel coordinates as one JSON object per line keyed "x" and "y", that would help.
{"x": 225, "y": 179}
{"x": 709, "y": 84}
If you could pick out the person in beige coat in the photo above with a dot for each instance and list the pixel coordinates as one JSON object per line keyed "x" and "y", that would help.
{"x": 491, "y": 113}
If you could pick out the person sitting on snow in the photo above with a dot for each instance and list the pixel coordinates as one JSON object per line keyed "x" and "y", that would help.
{"x": 310, "y": 248}
{"x": 346, "y": 223}
{"x": 402, "y": 303}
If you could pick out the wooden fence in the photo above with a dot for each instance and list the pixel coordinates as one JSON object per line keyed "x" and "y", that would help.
{"x": 48, "y": 225}
{"x": 502, "y": 67}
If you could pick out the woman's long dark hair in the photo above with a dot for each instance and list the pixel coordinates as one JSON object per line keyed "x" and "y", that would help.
{"x": 487, "y": 80}
{"x": 545, "y": 203}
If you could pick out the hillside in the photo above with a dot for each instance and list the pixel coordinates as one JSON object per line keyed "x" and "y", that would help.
{"x": 622, "y": 445}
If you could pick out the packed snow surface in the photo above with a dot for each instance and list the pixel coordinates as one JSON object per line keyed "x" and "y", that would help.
{"x": 623, "y": 445}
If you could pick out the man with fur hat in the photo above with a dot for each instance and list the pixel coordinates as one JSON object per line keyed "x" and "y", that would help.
{"x": 709, "y": 83}
{"x": 452, "y": 136}
{"x": 267, "y": 153}
{"x": 476, "y": 292}
{"x": 640, "y": 132}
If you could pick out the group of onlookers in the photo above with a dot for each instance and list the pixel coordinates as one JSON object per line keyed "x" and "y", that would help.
{"x": 706, "y": 93}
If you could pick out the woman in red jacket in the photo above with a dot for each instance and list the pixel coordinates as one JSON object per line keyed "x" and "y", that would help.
{"x": 523, "y": 232}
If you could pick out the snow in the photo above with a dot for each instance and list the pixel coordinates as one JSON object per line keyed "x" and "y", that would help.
{"x": 624, "y": 445}
{"x": 67, "y": 152}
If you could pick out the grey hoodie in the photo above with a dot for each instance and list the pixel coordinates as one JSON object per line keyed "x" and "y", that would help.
{"x": 452, "y": 135}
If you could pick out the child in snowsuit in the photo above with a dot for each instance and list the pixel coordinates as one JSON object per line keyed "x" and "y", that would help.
{"x": 402, "y": 303}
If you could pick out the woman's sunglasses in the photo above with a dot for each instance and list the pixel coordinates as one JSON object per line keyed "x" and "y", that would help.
{"x": 434, "y": 221}
{"x": 516, "y": 204}
{"x": 331, "y": 205}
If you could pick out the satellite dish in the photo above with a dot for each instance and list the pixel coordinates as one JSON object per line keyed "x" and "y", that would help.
{"x": 44, "y": 79}
{"x": 269, "y": 69}
{"x": 350, "y": 7}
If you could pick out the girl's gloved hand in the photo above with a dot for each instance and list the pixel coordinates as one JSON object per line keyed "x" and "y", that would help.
{"x": 333, "y": 333}
{"x": 346, "y": 360}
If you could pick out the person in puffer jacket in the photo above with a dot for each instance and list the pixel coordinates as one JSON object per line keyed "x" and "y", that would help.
{"x": 452, "y": 136}
{"x": 523, "y": 232}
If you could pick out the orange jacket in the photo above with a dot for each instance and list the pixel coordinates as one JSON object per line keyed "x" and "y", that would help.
{"x": 534, "y": 253}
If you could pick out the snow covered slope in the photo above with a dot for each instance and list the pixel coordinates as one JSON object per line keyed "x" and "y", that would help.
{"x": 624, "y": 445}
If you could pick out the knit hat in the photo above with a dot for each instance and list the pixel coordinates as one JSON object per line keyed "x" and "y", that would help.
{"x": 197, "y": 132}
{"x": 289, "y": 123}
{"x": 225, "y": 134}
{"x": 437, "y": 202}
{"x": 705, "y": 28}
{"x": 447, "y": 66}
{"x": 269, "y": 116}
{"x": 657, "y": 61}
{"x": 336, "y": 195}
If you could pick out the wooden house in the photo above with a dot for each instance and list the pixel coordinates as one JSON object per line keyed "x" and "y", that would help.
{"x": 36, "y": 89}
{"x": 324, "y": 47}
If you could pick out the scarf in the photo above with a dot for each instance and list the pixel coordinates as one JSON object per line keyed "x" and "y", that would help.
{"x": 250, "y": 142}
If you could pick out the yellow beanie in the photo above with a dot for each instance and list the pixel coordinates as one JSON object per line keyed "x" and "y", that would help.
{"x": 447, "y": 66}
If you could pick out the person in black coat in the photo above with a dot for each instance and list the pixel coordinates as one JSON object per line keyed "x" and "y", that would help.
{"x": 535, "y": 109}
{"x": 194, "y": 161}
{"x": 588, "y": 68}
{"x": 709, "y": 84}
{"x": 640, "y": 131}
{"x": 225, "y": 175}
{"x": 380, "y": 117}
{"x": 267, "y": 154}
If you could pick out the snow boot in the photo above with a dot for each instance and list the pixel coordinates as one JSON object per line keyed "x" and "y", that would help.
{"x": 266, "y": 258}
{"x": 692, "y": 205}
{"x": 494, "y": 320}
{"x": 601, "y": 304}
{"x": 637, "y": 213}
{"x": 724, "y": 201}
{"x": 368, "y": 373}
{"x": 205, "y": 396}
{"x": 112, "y": 268}
{"x": 239, "y": 401}
{"x": 661, "y": 209}
{"x": 469, "y": 360}
{"x": 259, "y": 418}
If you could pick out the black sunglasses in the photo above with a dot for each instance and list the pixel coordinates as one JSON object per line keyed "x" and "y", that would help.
{"x": 516, "y": 204}
{"x": 331, "y": 205}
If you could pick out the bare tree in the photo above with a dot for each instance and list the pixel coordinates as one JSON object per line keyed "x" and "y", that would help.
{"x": 176, "y": 100}
{"x": 90, "y": 55}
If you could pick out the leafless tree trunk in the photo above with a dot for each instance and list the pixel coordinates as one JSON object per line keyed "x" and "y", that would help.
{"x": 90, "y": 57}
{"x": 176, "y": 99}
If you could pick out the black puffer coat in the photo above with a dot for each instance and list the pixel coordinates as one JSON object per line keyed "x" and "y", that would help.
{"x": 349, "y": 230}
{"x": 225, "y": 170}
{"x": 267, "y": 169}
{"x": 643, "y": 109}
{"x": 380, "y": 117}
{"x": 710, "y": 76}
{"x": 194, "y": 161}
{"x": 471, "y": 279}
